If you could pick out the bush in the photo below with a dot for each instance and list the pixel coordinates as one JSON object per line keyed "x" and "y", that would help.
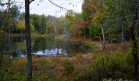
{"x": 68, "y": 67}
{"x": 6, "y": 74}
{"x": 93, "y": 46}
{"x": 114, "y": 66}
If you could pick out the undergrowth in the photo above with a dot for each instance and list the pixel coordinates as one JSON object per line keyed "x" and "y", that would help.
{"x": 95, "y": 66}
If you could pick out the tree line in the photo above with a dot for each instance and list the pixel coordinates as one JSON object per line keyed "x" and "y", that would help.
{"x": 104, "y": 20}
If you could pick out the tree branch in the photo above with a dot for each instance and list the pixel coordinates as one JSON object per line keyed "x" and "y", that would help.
{"x": 3, "y": 19}
{"x": 31, "y": 1}
{"x": 2, "y": 4}
{"x": 57, "y": 5}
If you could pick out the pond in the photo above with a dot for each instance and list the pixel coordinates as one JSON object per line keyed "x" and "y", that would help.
{"x": 44, "y": 46}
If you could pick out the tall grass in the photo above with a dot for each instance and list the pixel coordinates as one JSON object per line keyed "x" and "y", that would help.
{"x": 115, "y": 63}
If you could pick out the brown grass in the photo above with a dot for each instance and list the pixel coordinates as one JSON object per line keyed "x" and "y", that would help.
{"x": 43, "y": 66}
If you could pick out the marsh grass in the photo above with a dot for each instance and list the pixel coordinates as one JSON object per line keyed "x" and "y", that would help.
{"x": 115, "y": 62}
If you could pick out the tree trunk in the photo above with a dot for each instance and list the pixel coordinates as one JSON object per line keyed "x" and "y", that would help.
{"x": 134, "y": 52}
{"x": 9, "y": 28}
{"x": 103, "y": 38}
{"x": 122, "y": 39}
{"x": 134, "y": 43}
{"x": 28, "y": 40}
{"x": 3, "y": 44}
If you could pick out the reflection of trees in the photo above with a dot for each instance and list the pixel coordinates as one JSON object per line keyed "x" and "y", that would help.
{"x": 67, "y": 47}
{"x": 18, "y": 46}
{"x": 36, "y": 45}
{"x": 17, "y": 52}
{"x": 42, "y": 44}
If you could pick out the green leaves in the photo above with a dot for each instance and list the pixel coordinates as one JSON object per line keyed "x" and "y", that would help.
{"x": 14, "y": 11}
{"x": 112, "y": 14}
{"x": 39, "y": 23}
{"x": 85, "y": 16}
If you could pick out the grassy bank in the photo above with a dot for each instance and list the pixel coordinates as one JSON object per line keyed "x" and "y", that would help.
{"x": 94, "y": 66}
{"x": 33, "y": 35}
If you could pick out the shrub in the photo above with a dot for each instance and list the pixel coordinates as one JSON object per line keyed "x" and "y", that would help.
{"x": 113, "y": 66}
{"x": 68, "y": 66}
{"x": 93, "y": 46}
{"x": 6, "y": 74}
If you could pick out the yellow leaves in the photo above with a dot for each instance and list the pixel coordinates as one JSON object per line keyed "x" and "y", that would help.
{"x": 71, "y": 18}
{"x": 98, "y": 11}
{"x": 98, "y": 18}
{"x": 94, "y": 6}
{"x": 31, "y": 27}
{"x": 21, "y": 25}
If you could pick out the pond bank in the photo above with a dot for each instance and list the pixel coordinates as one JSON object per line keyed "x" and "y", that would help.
{"x": 81, "y": 67}
{"x": 59, "y": 37}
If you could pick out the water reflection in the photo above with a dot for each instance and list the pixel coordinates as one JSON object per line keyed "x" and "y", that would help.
{"x": 44, "y": 46}
{"x": 55, "y": 51}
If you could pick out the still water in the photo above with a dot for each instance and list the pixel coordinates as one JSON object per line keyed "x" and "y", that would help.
{"x": 44, "y": 46}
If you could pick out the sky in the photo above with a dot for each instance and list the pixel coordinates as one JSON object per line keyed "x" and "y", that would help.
{"x": 45, "y": 7}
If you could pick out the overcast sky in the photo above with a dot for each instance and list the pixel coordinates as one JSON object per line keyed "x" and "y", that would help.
{"x": 46, "y": 8}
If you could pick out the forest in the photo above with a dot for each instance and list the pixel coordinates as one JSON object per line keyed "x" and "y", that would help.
{"x": 100, "y": 43}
